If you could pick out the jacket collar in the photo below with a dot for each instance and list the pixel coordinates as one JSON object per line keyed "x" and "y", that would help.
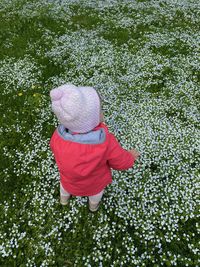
{"x": 96, "y": 136}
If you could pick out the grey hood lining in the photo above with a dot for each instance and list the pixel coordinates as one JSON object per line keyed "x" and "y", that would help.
{"x": 93, "y": 137}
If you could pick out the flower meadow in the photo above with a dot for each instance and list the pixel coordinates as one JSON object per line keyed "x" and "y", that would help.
{"x": 143, "y": 57}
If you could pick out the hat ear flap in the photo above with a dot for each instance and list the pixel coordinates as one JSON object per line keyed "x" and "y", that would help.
{"x": 60, "y": 91}
{"x": 56, "y": 94}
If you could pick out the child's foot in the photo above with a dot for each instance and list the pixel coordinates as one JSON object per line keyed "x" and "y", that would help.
{"x": 93, "y": 206}
{"x": 64, "y": 200}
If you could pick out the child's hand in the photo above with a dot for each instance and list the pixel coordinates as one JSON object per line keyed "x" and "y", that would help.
{"x": 135, "y": 153}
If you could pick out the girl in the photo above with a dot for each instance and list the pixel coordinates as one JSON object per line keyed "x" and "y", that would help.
{"x": 84, "y": 149}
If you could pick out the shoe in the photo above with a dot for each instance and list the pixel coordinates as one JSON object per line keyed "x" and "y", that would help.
{"x": 94, "y": 207}
{"x": 64, "y": 200}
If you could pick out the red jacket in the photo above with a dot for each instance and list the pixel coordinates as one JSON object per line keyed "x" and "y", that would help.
{"x": 85, "y": 160}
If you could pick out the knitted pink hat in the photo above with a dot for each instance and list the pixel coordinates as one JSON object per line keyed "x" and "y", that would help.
{"x": 77, "y": 108}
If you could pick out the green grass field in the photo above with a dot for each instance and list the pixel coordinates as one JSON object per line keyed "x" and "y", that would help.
{"x": 144, "y": 59}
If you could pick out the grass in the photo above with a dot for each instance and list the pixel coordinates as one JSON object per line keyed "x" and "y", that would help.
{"x": 143, "y": 58}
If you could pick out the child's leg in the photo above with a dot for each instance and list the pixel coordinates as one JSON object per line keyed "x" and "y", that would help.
{"x": 64, "y": 195}
{"x": 95, "y": 200}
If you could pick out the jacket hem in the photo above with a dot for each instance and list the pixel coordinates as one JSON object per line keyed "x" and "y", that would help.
{"x": 86, "y": 193}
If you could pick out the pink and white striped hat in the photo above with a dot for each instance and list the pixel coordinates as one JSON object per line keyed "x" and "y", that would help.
{"x": 77, "y": 108}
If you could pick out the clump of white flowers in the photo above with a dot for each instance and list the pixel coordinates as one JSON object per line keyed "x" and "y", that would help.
{"x": 18, "y": 75}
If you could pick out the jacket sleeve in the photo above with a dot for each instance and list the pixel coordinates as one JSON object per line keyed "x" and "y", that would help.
{"x": 51, "y": 143}
{"x": 119, "y": 158}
